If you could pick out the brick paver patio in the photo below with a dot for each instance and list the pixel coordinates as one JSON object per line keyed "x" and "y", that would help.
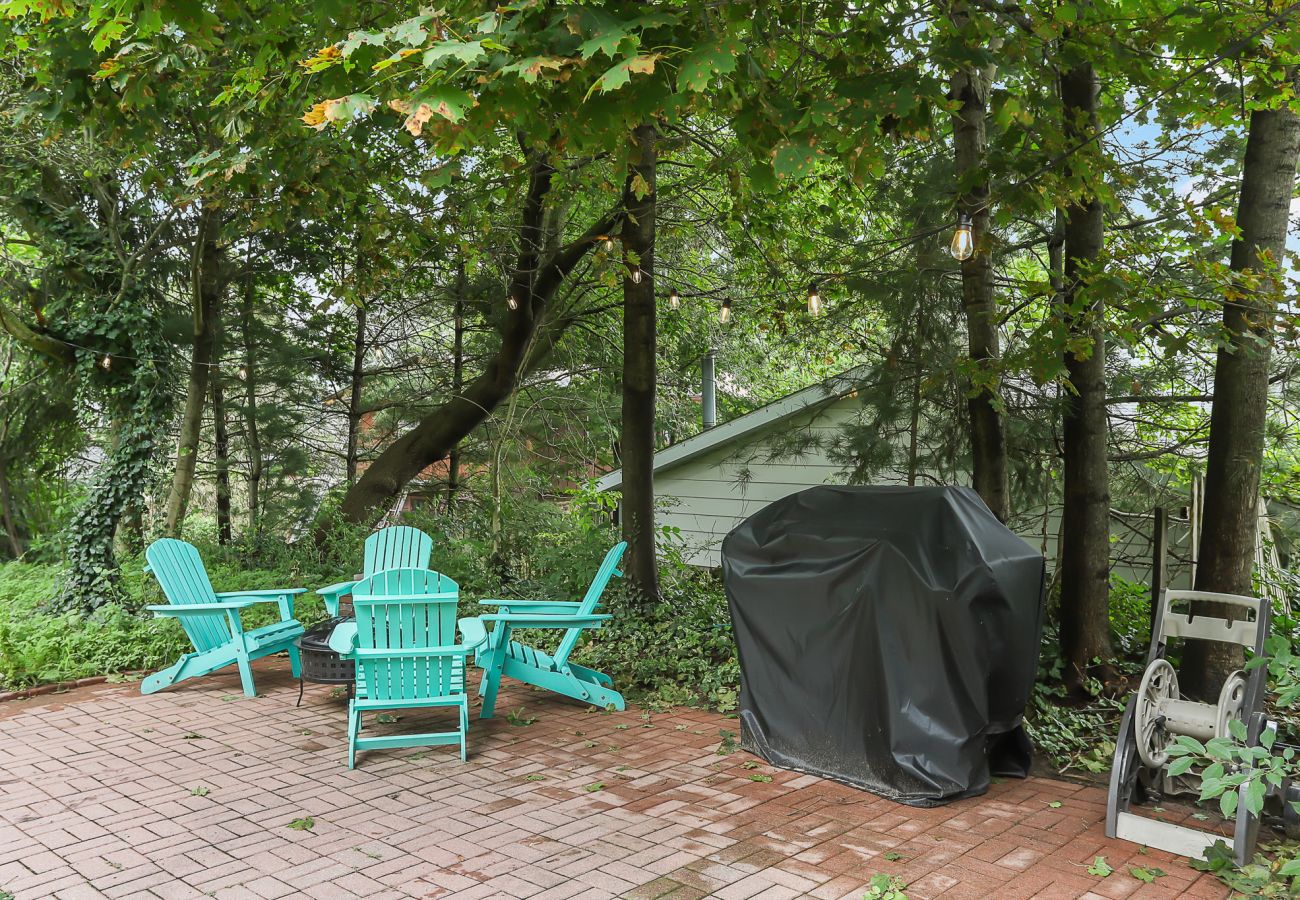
{"x": 101, "y": 795}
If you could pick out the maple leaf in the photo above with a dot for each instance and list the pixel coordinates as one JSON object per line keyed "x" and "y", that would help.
{"x": 702, "y": 63}
{"x": 621, "y": 73}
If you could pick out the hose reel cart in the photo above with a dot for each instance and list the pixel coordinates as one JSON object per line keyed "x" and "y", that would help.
{"x": 1157, "y": 714}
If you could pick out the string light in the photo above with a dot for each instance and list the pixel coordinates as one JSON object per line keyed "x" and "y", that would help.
{"x": 512, "y": 301}
{"x": 814, "y": 300}
{"x": 243, "y": 373}
{"x": 963, "y": 241}
{"x": 636, "y": 276}
{"x": 107, "y": 362}
{"x": 609, "y": 244}
{"x": 674, "y": 299}
{"x": 724, "y": 315}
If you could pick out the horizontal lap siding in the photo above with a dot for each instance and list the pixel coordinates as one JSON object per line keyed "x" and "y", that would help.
{"x": 707, "y": 497}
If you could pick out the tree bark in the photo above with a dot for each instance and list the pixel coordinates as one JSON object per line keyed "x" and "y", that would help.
{"x": 1239, "y": 413}
{"x": 637, "y": 437}
{"x": 1085, "y": 525}
{"x": 207, "y": 288}
{"x": 457, "y": 375}
{"x": 524, "y": 345}
{"x": 7, "y": 511}
{"x": 354, "y": 396}
{"x": 252, "y": 437}
{"x": 221, "y": 458}
{"x": 988, "y": 434}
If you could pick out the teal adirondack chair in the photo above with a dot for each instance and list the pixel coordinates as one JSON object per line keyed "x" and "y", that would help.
{"x": 398, "y": 547}
{"x": 404, "y": 644}
{"x": 212, "y": 620}
{"x": 502, "y": 656}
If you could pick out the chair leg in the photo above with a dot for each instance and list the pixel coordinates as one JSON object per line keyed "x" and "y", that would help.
{"x": 354, "y": 726}
{"x": 491, "y": 682}
{"x": 295, "y": 661}
{"x": 246, "y": 676}
{"x": 464, "y": 728}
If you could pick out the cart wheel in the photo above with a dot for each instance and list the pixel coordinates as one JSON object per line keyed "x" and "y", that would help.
{"x": 1159, "y": 683}
{"x": 1232, "y": 700}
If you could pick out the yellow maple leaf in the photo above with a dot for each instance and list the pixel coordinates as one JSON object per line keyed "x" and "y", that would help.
{"x": 415, "y": 121}
{"x": 316, "y": 116}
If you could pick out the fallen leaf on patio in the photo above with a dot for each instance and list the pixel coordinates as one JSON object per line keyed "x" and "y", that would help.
{"x": 193, "y": 736}
{"x": 368, "y": 853}
{"x": 420, "y": 755}
{"x": 728, "y": 744}
{"x": 1146, "y": 876}
{"x": 1055, "y": 804}
{"x": 200, "y": 791}
{"x": 305, "y": 732}
{"x": 885, "y": 887}
{"x": 1100, "y": 868}
{"x": 229, "y": 698}
{"x": 588, "y": 743}
{"x": 580, "y": 733}
{"x": 750, "y": 765}
{"x": 894, "y": 856}
{"x": 598, "y": 786}
{"x": 680, "y": 728}
{"x": 389, "y": 719}
{"x": 623, "y": 727}
{"x": 517, "y": 717}
{"x": 534, "y": 778}
{"x": 763, "y": 778}
{"x": 306, "y": 823}
{"x": 1200, "y": 817}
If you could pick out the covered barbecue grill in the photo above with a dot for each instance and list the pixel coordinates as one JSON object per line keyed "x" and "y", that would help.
{"x": 888, "y": 638}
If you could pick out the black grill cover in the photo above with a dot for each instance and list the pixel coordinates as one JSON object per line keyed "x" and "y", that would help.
{"x": 888, "y": 638}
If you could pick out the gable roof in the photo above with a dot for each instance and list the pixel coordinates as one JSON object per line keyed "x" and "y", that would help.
{"x": 815, "y": 395}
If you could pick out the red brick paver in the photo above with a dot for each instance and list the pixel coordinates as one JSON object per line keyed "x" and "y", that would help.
{"x": 101, "y": 796}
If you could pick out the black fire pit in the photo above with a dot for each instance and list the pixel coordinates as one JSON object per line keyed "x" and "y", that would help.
{"x": 320, "y": 664}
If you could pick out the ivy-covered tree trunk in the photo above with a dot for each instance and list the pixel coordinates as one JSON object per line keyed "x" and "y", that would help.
{"x": 524, "y": 345}
{"x": 354, "y": 395}
{"x": 252, "y": 436}
{"x": 988, "y": 435}
{"x": 207, "y": 288}
{"x": 640, "y": 340}
{"x": 1085, "y": 524}
{"x": 457, "y": 374}
{"x": 1239, "y": 414}
{"x": 221, "y": 458}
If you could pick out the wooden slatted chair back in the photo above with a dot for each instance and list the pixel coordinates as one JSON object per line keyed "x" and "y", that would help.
{"x": 184, "y": 580}
{"x": 591, "y": 600}
{"x": 421, "y": 619}
{"x": 398, "y": 547}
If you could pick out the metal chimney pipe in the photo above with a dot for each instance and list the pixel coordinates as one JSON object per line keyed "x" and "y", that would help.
{"x": 709, "y": 393}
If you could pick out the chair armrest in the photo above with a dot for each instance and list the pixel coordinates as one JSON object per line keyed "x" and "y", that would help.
{"x": 472, "y": 632}
{"x": 525, "y": 620}
{"x": 343, "y": 639}
{"x": 282, "y": 596}
{"x": 269, "y": 594}
{"x": 546, "y": 607}
{"x": 185, "y": 609}
{"x": 336, "y": 590}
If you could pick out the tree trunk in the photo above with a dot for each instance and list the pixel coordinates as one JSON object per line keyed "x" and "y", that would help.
{"x": 207, "y": 288}
{"x": 524, "y": 346}
{"x": 221, "y": 458}
{"x": 1241, "y": 372}
{"x": 457, "y": 375}
{"x": 7, "y": 512}
{"x": 252, "y": 437}
{"x": 988, "y": 434}
{"x": 637, "y": 437}
{"x": 1085, "y": 525}
{"x": 354, "y": 397}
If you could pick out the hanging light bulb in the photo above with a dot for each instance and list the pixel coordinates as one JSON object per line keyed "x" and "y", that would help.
{"x": 107, "y": 362}
{"x": 512, "y": 301}
{"x": 814, "y": 300}
{"x": 674, "y": 299}
{"x": 609, "y": 244}
{"x": 243, "y": 373}
{"x": 636, "y": 276}
{"x": 963, "y": 240}
{"x": 724, "y": 316}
